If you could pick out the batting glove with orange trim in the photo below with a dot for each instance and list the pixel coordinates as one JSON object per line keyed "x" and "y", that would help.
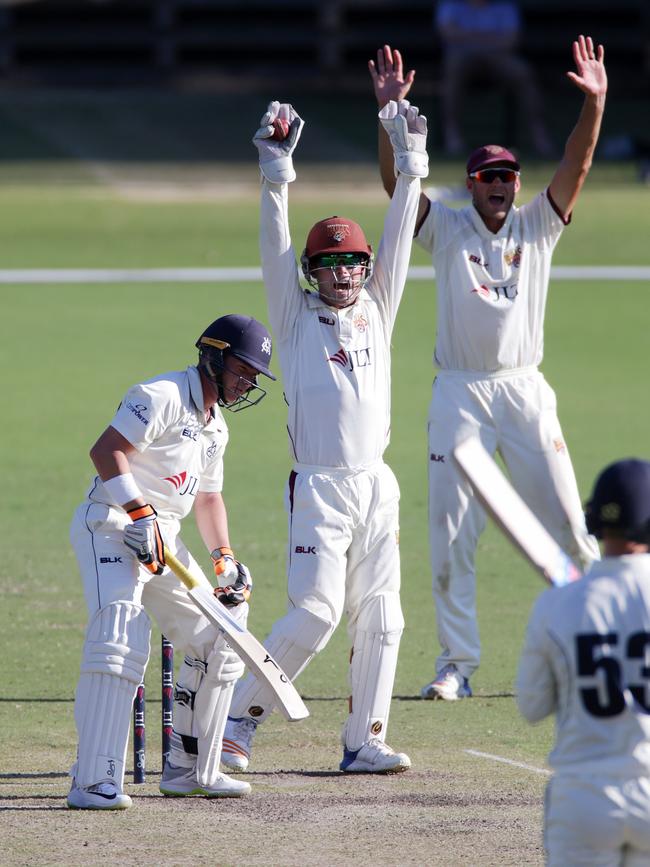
{"x": 235, "y": 582}
{"x": 143, "y": 537}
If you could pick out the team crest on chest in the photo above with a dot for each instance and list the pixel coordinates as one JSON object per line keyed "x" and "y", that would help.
{"x": 360, "y": 322}
{"x": 513, "y": 257}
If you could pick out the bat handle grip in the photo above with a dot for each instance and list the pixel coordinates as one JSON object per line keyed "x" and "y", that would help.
{"x": 179, "y": 570}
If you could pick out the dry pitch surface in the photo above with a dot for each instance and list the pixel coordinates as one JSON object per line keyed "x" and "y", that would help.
{"x": 451, "y": 808}
{"x": 421, "y": 817}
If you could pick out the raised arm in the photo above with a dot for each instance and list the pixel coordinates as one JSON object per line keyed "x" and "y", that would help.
{"x": 406, "y": 132}
{"x": 278, "y": 259}
{"x": 591, "y": 78}
{"x": 390, "y": 83}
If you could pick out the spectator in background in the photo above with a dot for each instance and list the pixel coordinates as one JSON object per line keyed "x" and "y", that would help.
{"x": 480, "y": 39}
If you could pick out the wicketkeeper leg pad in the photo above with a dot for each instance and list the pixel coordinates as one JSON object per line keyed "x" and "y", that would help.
{"x": 201, "y": 703}
{"x": 372, "y": 669}
{"x": 294, "y": 641}
{"x": 113, "y": 663}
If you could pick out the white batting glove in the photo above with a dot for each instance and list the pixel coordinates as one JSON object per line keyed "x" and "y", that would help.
{"x": 276, "y": 163}
{"x": 234, "y": 579}
{"x": 407, "y": 131}
{"x": 144, "y": 538}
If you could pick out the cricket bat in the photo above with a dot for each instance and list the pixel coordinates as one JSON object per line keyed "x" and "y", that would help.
{"x": 512, "y": 515}
{"x": 244, "y": 643}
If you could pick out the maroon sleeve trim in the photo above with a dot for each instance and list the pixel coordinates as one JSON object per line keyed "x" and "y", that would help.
{"x": 293, "y": 475}
{"x": 419, "y": 223}
{"x": 566, "y": 220}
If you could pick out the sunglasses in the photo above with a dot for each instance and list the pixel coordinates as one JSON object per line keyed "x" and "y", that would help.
{"x": 332, "y": 260}
{"x": 486, "y": 176}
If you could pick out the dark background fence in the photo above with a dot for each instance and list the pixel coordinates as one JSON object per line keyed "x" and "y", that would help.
{"x": 319, "y": 42}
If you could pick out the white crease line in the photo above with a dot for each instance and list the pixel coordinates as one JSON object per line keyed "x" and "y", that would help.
{"x": 505, "y": 761}
{"x": 254, "y": 275}
{"x": 31, "y": 784}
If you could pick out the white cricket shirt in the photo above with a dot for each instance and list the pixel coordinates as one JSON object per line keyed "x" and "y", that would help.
{"x": 492, "y": 288}
{"x": 587, "y": 657}
{"x": 336, "y": 363}
{"x": 178, "y": 454}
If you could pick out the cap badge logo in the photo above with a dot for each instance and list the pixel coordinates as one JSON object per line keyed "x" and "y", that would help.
{"x": 266, "y": 345}
{"x": 338, "y": 231}
{"x": 610, "y": 512}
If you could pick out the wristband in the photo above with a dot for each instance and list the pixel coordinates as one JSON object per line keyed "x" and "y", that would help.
{"x": 122, "y": 489}
{"x": 146, "y": 511}
{"x": 220, "y": 553}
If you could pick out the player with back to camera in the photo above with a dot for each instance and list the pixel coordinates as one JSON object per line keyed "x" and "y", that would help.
{"x": 585, "y": 659}
{"x": 342, "y": 499}
{"x": 492, "y": 262}
{"x": 161, "y": 455}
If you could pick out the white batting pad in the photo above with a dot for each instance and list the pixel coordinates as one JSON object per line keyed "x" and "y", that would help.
{"x": 114, "y": 659}
{"x": 210, "y": 714}
{"x": 372, "y": 669}
{"x": 117, "y": 641}
{"x": 293, "y": 643}
{"x": 202, "y": 701}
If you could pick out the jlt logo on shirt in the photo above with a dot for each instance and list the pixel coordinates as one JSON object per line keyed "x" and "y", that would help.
{"x": 183, "y": 483}
{"x": 496, "y": 293}
{"x": 353, "y": 358}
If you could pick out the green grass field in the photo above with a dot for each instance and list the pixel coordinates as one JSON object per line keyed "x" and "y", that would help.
{"x": 68, "y": 352}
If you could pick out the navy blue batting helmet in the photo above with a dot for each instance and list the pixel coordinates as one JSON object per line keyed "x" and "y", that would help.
{"x": 243, "y": 337}
{"x": 621, "y": 501}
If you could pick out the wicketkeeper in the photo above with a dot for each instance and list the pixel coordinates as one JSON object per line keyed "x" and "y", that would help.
{"x": 161, "y": 455}
{"x": 341, "y": 498}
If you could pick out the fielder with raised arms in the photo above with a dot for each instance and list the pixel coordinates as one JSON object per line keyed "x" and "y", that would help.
{"x": 342, "y": 499}
{"x": 161, "y": 455}
{"x": 492, "y": 263}
{"x": 585, "y": 659}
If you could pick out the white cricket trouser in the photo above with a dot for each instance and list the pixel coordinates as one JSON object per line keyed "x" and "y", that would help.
{"x": 110, "y": 572}
{"x": 343, "y": 539}
{"x": 514, "y": 413}
{"x": 597, "y": 821}
{"x": 343, "y": 553}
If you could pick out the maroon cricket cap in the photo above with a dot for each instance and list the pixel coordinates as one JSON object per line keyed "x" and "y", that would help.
{"x": 489, "y": 155}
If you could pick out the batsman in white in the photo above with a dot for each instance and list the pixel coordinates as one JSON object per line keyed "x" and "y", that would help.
{"x": 492, "y": 262}
{"x": 585, "y": 659}
{"x": 161, "y": 455}
{"x": 342, "y": 499}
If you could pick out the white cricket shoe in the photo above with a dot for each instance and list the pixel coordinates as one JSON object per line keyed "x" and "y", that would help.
{"x": 237, "y": 742}
{"x": 448, "y": 685}
{"x": 374, "y": 757}
{"x": 182, "y": 783}
{"x": 102, "y": 796}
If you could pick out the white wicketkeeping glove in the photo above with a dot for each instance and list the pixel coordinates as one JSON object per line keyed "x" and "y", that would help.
{"x": 276, "y": 163}
{"x": 407, "y": 131}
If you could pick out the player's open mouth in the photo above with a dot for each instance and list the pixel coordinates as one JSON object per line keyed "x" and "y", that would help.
{"x": 496, "y": 199}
